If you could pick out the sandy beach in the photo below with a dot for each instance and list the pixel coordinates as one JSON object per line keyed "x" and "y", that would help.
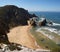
{"x": 22, "y": 35}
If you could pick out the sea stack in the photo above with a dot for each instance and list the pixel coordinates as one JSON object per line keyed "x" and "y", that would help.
{"x": 42, "y": 22}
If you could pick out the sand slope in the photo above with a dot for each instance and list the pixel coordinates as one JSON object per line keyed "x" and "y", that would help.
{"x": 21, "y": 35}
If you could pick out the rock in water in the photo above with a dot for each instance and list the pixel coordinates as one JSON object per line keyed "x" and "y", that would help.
{"x": 42, "y": 22}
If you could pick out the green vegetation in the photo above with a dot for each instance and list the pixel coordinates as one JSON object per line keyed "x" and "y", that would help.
{"x": 43, "y": 41}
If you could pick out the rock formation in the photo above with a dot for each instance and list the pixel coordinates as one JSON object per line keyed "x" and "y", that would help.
{"x": 12, "y": 16}
{"x": 33, "y": 15}
{"x": 42, "y": 22}
{"x": 33, "y": 21}
{"x": 19, "y": 48}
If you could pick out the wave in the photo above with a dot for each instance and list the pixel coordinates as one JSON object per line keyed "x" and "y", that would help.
{"x": 45, "y": 34}
{"x": 56, "y": 24}
{"x": 49, "y": 29}
{"x": 53, "y": 24}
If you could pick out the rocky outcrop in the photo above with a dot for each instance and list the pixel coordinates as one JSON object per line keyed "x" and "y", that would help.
{"x": 33, "y": 21}
{"x": 4, "y": 29}
{"x": 33, "y": 15}
{"x": 12, "y": 16}
{"x": 49, "y": 23}
{"x": 18, "y": 48}
{"x": 42, "y": 22}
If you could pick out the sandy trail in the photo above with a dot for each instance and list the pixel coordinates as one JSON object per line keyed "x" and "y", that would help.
{"x": 21, "y": 35}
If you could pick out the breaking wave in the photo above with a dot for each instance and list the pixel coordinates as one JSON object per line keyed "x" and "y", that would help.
{"x": 56, "y": 24}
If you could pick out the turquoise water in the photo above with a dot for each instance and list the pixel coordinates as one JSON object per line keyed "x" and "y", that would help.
{"x": 52, "y": 16}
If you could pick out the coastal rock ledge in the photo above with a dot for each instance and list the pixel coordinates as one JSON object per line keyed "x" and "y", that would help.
{"x": 13, "y": 47}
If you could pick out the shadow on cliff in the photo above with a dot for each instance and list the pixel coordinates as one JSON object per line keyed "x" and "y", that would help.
{"x": 11, "y": 16}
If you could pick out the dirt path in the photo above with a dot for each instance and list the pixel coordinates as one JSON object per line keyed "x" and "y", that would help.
{"x": 21, "y": 35}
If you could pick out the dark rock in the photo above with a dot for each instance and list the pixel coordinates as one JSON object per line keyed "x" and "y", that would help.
{"x": 4, "y": 29}
{"x": 33, "y": 15}
{"x": 33, "y": 22}
{"x": 42, "y": 22}
{"x": 18, "y": 48}
{"x": 14, "y": 46}
{"x": 50, "y": 23}
{"x": 12, "y": 16}
{"x": 5, "y": 48}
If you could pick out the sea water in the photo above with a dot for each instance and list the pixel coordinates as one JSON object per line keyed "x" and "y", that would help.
{"x": 50, "y": 16}
{"x": 53, "y": 31}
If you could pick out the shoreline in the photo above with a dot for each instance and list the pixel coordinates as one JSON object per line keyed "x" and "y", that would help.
{"x": 50, "y": 33}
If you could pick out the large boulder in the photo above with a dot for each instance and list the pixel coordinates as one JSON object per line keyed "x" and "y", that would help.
{"x": 42, "y": 22}
{"x": 33, "y": 21}
{"x": 33, "y": 15}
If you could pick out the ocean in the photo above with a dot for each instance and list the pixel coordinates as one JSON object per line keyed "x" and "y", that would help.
{"x": 50, "y": 16}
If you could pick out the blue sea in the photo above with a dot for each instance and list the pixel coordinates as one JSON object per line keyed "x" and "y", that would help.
{"x": 51, "y": 16}
{"x": 50, "y": 30}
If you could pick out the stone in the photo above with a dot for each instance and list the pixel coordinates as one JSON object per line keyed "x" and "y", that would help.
{"x": 42, "y": 22}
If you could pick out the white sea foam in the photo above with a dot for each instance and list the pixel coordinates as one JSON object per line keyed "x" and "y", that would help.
{"x": 56, "y": 24}
{"x": 53, "y": 30}
{"x": 47, "y": 35}
{"x": 53, "y": 24}
{"x": 41, "y": 19}
{"x": 49, "y": 29}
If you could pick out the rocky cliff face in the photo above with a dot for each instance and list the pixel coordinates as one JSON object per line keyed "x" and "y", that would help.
{"x": 12, "y": 16}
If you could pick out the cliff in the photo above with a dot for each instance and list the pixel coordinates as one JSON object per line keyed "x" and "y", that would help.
{"x": 12, "y": 16}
